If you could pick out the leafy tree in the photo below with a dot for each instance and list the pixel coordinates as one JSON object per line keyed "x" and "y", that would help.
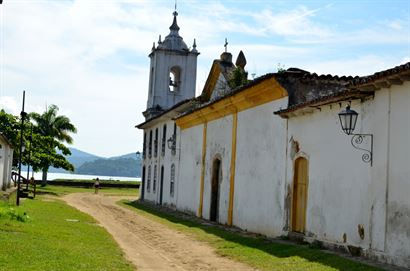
{"x": 8, "y": 126}
{"x": 46, "y": 149}
{"x": 53, "y": 131}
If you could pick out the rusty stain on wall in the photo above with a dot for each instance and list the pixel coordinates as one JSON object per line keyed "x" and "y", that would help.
{"x": 399, "y": 218}
{"x": 287, "y": 207}
{"x": 294, "y": 148}
{"x": 360, "y": 230}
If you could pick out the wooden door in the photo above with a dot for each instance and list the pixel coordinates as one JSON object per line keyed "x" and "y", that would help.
{"x": 214, "y": 210}
{"x": 162, "y": 185}
{"x": 300, "y": 193}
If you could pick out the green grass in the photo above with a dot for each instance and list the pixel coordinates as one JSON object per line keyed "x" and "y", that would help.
{"x": 56, "y": 236}
{"x": 254, "y": 251}
{"x": 63, "y": 190}
{"x": 92, "y": 181}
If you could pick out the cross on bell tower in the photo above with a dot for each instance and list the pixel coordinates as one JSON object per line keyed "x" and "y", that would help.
{"x": 172, "y": 71}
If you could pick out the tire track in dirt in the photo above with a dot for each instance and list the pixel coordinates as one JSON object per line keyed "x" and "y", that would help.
{"x": 150, "y": 245}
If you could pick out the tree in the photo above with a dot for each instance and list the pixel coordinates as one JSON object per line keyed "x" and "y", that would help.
{"x": 54, "y": 130}
{"x": 46, "y": 150}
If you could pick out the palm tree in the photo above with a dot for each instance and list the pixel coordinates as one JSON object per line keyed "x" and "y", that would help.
{"x": 52, "y": 125}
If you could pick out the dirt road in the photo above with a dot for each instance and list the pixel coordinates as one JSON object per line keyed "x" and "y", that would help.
{"x": 149, "y": 244}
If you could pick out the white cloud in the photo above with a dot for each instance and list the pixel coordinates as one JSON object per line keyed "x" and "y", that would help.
{"x": 297, "y": 22}
{"x": 70, "y": 53}
{"x": 9, "y": 105}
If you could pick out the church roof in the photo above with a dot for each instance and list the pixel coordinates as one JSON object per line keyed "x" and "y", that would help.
{"x": 352, "y": 88}
{"x": 170, "y": 113}
{"x": 173, "y": 41}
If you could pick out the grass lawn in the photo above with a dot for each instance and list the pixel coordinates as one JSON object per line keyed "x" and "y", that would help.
{"x": 57, "y": 190}
{"x": 56, "y": 236}
{"x": 257, "y": 252}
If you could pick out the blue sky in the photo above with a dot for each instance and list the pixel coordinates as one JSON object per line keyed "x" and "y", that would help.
{"x": 90, "y": 57}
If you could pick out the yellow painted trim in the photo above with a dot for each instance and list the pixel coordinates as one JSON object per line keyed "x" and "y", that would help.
{"x": 261, "y": 93}
{"x": 201, "y": 184}
{"x": 232, "y": 169}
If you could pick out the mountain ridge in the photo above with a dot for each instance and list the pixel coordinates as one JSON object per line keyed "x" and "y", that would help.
{"x": 97, "y": 165}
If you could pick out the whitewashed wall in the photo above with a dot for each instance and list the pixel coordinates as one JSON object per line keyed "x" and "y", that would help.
{"x": 398, "y": 218}
{"x": 218, "y": 145}
{"x": 161, "y": 63}
{"x": 338, "y": 180}
{"x": 3, "y": 167}
{"x": 190, "y": 169}
{"x": 6, "y": 161}
{"x": 343, "y": 191}
{"x": 260, "y": 170}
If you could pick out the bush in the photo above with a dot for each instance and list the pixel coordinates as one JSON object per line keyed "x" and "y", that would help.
{"x": 9, "y": 213}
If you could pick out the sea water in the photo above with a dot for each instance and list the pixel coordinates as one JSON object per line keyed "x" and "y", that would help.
{"x": 53, "y": 176}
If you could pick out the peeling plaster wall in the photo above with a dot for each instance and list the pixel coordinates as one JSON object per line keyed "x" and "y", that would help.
{"x": 337, "y": 201}
{"x": 218, "y": 145}
{"x": 370, "y": 206}
{"x": 398, "y": 198}
{"x": 349, "y": 202}
{"x": 6, "y": 160}
{"x": 260, "y": 170}
{"x": 221, "y": 88}
{"x": 3, "y": 167}
{"x": 189, "y": 176}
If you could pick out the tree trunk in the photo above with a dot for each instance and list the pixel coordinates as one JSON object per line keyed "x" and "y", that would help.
{"x": 44, "y": 179}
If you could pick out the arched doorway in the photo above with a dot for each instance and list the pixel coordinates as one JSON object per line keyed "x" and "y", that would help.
{"x": 143, "y": 183}
{"x": 300, "y": 194}
{"x": 161, "y": 189}
{"x": 215, "y": 181}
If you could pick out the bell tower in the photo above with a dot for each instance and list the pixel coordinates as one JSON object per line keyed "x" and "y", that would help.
{"x": 172, "y": 76}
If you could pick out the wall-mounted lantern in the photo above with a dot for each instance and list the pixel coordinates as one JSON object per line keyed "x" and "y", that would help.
{"x": 171, "y": 142}
{"x": 348, "y": 119}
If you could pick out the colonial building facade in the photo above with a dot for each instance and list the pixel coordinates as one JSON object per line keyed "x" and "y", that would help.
{"x": 270, "y": 156}
{"x": 6, "y": 162}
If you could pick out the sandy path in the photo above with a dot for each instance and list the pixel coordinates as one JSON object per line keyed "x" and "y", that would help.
{"x": 149, "y": 244}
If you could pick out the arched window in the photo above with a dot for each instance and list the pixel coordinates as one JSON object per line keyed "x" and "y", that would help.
{"x": 149, "y": 179}
{"x": 174, "y": 78}
{"x": 154, "y": 184}
{"x": 144, "y": 151}
{"x": 164, "y": 138}
{"x": 174, "y": 143}
{"x": 156, "y": 143}
{"x": 150, "y": 144}
{"x": 172, "y": 183}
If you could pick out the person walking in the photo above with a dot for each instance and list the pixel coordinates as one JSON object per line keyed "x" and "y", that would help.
{"x": 96, "y": 185}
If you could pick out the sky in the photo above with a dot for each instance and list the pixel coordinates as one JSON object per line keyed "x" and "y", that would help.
{"x": 90, "y": 57}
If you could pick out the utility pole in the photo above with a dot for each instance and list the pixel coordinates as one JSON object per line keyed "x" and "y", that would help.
{"x": 23, "y": 116}
{"x": 29, "y": 155}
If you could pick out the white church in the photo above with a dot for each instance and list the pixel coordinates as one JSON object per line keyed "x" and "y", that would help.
{"x": 292, "y": 153}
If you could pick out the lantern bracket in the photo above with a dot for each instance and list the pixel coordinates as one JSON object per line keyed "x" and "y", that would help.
{"x": 357, "y": 141}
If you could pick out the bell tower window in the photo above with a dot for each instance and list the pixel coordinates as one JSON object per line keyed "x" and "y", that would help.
{"x": 174, "y": 78}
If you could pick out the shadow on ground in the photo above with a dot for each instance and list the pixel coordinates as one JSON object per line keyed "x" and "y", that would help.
{"x": 274, "y": 249}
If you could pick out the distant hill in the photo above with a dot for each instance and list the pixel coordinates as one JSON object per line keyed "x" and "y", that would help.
{"x": 122, "y": 167}
{"x": 132, "y": 155}
{"x": 77, "y": 158}
{"x": 127, "y": 165}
